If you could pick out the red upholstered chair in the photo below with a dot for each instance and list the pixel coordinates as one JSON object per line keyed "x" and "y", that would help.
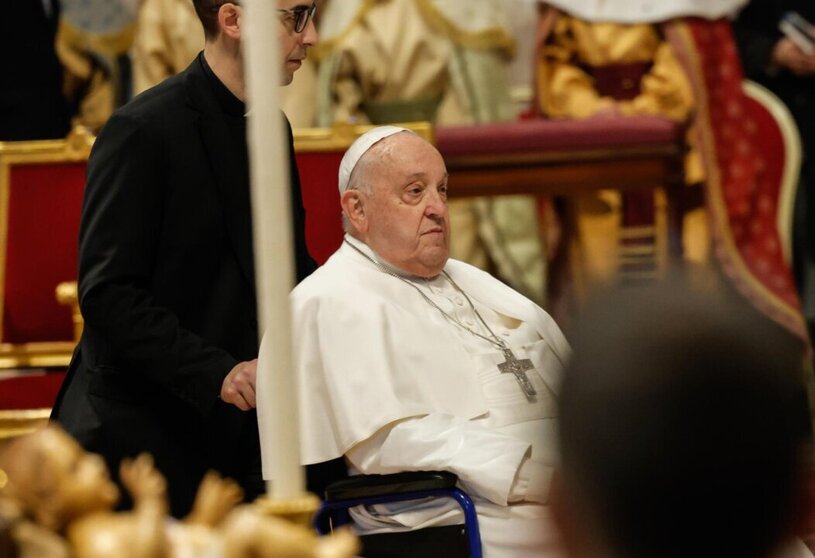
{"x": 41, "y": 186}
{"x": 319, "y": 152}
{"x": 780, "y": 147}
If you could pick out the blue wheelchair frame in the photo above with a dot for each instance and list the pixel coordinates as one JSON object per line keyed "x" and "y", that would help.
{"x": 380, "y": 489}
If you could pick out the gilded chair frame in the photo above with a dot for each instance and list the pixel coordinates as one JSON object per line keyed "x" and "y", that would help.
{"x": 793, "y": 155}
{"x": 75, "y": 148}
{"x": 341, "y": 135}
{"x": 14, "y": 423}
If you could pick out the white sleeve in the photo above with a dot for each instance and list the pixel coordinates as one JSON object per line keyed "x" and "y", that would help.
{"x": 487, "y": 462}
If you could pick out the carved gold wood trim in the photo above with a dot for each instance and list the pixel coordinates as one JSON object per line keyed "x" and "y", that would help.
{"x": 39, "y": 354}
{"x": 67, "y": 294}
{"x": 75, "y": 148}
{"x": 341, "y": 135}
{"x": 793, "y": 155}
{"x": 299, "y": 510}
{"x": 15, "y": 422}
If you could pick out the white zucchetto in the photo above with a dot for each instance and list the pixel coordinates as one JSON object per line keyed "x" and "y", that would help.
{"x": 360, "y": 146}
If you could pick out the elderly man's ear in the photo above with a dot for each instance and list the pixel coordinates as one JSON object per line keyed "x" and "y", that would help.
{"x": 353, "y": 204}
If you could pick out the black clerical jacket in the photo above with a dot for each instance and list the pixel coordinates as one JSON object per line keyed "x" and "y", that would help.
{"x": 166, "y": 286}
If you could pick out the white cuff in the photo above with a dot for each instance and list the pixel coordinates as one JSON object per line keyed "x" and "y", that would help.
{"x": 532, "y": 482}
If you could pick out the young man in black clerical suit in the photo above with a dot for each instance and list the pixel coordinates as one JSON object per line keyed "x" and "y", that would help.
{"x": 166, "y": 364}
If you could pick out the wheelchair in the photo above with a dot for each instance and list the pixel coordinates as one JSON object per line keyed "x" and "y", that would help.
{"x": 442, "y": 542}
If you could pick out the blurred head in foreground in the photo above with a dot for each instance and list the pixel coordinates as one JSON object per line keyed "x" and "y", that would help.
{"x": 684, "y": 431}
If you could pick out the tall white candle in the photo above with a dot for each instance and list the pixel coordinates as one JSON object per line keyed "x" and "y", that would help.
{"x": 274, "y": 259}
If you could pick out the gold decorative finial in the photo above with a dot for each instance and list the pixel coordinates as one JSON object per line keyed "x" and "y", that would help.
{"x": 299, "y": 511}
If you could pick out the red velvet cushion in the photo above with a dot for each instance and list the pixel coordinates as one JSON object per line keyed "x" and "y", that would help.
{"x": 318, "y": 181}
{"x": 30, "y": 390}
{"x": 556, "y": 135}
{"x": 43, "y": 229}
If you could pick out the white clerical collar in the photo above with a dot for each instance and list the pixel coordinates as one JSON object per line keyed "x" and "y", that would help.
{"x": 368, "y": 251}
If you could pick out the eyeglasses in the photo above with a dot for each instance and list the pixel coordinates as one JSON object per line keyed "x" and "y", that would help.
{"x": 301, "y": 15}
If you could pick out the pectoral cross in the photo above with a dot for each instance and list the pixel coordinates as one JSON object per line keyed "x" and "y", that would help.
{"x": 519, "y": 368}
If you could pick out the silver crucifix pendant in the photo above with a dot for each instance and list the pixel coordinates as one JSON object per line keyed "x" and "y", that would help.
{"x": 518, "y": 368}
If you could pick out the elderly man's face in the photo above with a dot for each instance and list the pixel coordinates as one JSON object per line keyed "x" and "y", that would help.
{"x": 293, "y": 45}
{"x": 407, "y": 220}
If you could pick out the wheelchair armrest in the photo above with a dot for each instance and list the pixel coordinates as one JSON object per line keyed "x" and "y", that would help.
{"x": 366, "y": 486}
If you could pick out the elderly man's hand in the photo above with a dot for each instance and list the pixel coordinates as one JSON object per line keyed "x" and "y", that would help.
{"x": 239, "y": 385}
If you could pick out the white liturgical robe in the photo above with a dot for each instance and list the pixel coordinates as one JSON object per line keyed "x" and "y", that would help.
{"x": 388, "y": 381}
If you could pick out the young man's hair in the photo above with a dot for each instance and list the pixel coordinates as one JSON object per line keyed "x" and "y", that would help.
{"x": 207, "y": 11}
{"x": 683, "y": 425}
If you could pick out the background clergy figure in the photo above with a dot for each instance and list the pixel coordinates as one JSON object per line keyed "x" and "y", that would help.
{"x": 609, "y": 59}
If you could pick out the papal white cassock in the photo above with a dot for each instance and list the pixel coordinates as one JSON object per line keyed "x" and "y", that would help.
{"x": 390, "y": 382}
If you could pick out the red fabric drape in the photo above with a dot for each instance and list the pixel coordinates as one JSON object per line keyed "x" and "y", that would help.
{"x": 740, "y": 145}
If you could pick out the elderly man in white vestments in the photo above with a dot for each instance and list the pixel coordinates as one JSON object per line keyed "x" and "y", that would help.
{"x": 408, "y": 360}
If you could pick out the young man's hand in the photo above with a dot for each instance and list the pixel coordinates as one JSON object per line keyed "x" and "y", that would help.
{"x": 239, "y": 385}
